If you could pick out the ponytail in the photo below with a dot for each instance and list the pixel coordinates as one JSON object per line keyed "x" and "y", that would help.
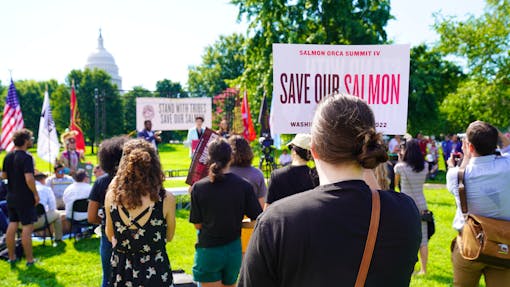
{"x": 220, "y": 153}
{"x": 216, "y": 171}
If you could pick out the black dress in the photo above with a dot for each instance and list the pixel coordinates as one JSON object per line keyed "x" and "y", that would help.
{"x": 139, "y": 257}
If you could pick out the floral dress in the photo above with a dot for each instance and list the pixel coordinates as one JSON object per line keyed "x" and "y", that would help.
{"x": 139, "y": 257}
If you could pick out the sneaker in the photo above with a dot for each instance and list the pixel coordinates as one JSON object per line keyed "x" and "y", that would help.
{"x": 12, "y": 262}
{"x": 30, "y": 264}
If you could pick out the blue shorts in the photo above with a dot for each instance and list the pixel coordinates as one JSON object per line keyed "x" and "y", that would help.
{"x": 220, "y": 263}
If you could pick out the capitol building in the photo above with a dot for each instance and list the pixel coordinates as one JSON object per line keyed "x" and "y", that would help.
{"x": 103, "y": 60}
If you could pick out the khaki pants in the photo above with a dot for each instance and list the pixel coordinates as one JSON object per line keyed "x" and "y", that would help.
{"x": 467, "y": 273}
{"x": 54, "y": 218}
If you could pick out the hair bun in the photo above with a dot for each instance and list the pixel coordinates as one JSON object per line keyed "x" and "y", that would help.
{"x": 373, "y": 150}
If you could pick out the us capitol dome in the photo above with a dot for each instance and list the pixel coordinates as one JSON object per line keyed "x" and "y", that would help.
{"x": 103, "y": 60}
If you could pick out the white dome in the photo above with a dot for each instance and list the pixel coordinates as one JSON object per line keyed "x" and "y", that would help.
{"x": 102, "y": 59}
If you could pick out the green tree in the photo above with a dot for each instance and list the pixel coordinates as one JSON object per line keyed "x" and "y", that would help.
{"x": 129, "y": 101}
{"x": 303, "y": 21}
{"x": 85, "y": 84}
{"x": 30, "y": 96}
{"x": 484, "y": 42}
{"x": 221, "y": 62}
{"x": 431, "y": 79}
{"x": 168, "y": 89}
{"x": 3, "y": 92}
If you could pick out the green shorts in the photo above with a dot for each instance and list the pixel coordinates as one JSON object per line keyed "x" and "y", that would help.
{"x": 220, "y": 263}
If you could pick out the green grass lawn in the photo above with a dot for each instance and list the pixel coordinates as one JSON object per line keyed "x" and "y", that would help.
{"x": 78, "y": 263}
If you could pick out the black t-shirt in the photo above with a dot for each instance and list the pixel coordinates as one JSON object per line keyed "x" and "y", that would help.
{"x": 98, "y": 192}
{"x": 220, "y": 207}
{"x": 317, "y": 238}
{"x": 99, "y": 189}
{"x": 16, "y": 164}
{"x": 290, "y": 180}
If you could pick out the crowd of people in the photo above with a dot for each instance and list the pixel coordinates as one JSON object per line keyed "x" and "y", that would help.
{"x": 312, "y": 217}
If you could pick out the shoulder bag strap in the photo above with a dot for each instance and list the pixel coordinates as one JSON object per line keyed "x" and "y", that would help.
{"x": 370, "y": 244}
{"x": 462, "y": 191}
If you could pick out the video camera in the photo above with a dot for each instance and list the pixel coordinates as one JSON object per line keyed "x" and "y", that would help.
{"x": 266, "y": 143}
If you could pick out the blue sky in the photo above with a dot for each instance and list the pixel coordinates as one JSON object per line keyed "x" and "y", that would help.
{"x": 154, "y": 39}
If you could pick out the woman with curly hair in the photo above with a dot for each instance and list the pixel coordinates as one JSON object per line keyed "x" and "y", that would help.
{"x": 218, "y": 204}
{"x": 140, "y": 219}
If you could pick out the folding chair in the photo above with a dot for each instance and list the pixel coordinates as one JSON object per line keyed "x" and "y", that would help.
{"x": 80, "y": 205}
{"x": 46, "y": 229}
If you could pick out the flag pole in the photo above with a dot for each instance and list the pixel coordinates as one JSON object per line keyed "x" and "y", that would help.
{"x": 49, "y": 133}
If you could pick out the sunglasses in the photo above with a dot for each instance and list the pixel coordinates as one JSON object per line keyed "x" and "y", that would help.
{"x": 72, "y": 141}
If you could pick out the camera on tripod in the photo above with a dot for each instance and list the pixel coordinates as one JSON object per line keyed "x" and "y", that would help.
{"x": 266, "y": 144}
{"x": 267, "y": 163}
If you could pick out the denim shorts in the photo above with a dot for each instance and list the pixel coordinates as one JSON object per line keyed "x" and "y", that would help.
{"x": 219, "y": 263}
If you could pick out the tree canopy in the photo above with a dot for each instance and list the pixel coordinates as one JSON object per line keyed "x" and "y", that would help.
{"x": 111, "y": 116}
{"x": 222, "y": 62}
{"x": 432, "y": 78}
{"x": 303, "y": 21}
{"x": 484, "y": 42}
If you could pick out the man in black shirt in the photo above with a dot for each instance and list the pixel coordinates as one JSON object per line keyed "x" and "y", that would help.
{"x": 22, "y": 196}
{"x": 296, "y": 177}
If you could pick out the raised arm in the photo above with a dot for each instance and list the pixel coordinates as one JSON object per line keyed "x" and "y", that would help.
{"x": 169, "y": 209}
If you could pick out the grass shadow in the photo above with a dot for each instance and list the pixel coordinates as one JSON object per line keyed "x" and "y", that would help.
{"x": 182, "y": 214}
{"x": 46, "y": 251}
{"x": 440, "y": 178}
{"x": 39, "y": 276}
{"x": 441, "y": 279}
{"x": 166, "y": 148}
{"x": 87, "y": 244}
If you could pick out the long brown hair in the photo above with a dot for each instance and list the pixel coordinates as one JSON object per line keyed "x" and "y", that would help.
{"x": 343, "y": 130}
{"x": 139, "y": 174}
{"x": 242, "y": 155}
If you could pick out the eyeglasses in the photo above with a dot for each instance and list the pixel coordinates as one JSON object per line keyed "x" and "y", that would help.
{"x": 72, "y": 141}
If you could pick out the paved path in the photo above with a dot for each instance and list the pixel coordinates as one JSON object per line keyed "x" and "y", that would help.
{"x": 434, "y": 186}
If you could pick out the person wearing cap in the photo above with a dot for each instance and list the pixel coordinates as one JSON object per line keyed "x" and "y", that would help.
{"x": 58, "y": 184}
{"x": 47, "y": 199}
{"x": 70, "y": 157}
{"x": 80, "y": 189}
{"x": 296, "y": 177}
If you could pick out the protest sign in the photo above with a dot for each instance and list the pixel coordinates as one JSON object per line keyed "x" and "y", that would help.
{"x": 199, "y": 167}
{"x": 168, "y": 114}
{"x": 304, "y": 74}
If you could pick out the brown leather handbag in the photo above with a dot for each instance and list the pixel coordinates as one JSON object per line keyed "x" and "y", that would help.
{"x": 482, "y": 239}
{"x": 370, "y": 244}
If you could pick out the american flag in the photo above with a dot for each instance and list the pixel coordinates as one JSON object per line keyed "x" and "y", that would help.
{"x": 12, "y": 120}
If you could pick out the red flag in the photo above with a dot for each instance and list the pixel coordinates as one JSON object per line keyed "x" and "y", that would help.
{"x": 75, "y": 120}
{"x": 249, "y": 130}
{"x": 12, "y": 120}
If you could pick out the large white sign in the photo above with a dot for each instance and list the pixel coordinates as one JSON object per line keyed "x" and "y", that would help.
{"x": 304, "y": 74}
{"x": 172, "y": 114}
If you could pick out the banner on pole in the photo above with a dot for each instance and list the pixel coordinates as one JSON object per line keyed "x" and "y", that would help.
{"x": 168, "y": 114}
{"x": 199, "y": 167}
{"x": 304, "y": 74}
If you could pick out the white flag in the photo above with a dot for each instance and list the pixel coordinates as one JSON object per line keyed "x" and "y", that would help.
{"x": 47, "y": 141}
